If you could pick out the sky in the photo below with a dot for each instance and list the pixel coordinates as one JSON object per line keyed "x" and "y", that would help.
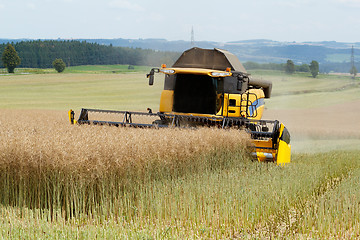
{"x": 212, "y": 20}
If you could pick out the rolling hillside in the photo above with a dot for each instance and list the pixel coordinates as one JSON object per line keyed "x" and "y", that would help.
{"x": 332, "y": 56}
{"x": 258, "y": 50}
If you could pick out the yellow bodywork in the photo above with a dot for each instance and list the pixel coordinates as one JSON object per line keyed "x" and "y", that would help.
{"x": 196, "y": 71}
{"x": 249, "y": 104}
{"x": 166, "y": 101}
{"x": 71, "y": 117}
{"x": 284, "y": 153}
{"x": 253, "y": 111}
{"x": 284, "y": 149}
{"x": 236, "y": 110}
{"x": 265, "y": 151}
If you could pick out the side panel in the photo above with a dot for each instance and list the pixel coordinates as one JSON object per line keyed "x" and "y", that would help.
{"x": 284, "y": 147}
{"x": 234, "y": 104}
{"x": 223, "y": 109}
{"x": 166, "y": 101}
{"x": 264, "y": 151}
{"x": 284, "y": 153}
{"x": 249, "y": 105}
{"x": 256, "y": 103}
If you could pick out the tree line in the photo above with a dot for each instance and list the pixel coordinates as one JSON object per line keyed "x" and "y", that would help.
{"x": 288, "y": 67}
{"x": 48, "y": 53}
{"x": 327, "y": 67}
{"x": 41, "y": 54}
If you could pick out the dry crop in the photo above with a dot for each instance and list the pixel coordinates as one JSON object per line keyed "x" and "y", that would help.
{"x": 83, "y": 182}
{"x": 46, "y": 163}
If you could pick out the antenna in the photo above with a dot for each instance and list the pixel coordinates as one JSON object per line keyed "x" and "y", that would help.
{"x": 192, "y": 37}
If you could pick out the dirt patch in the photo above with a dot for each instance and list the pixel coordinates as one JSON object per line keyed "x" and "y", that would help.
{"x": 321, "y": 129}
{"x": 334, "y": 89}
{"x": 337, "y": 119}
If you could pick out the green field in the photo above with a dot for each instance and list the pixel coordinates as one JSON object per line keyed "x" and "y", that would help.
{"x": 116, "y": 87}
{"x": 81, "y": 69}
{"x": 338, "y": 58}
{"x": 314, "y": 197}
{"x": 303, "y": 91}
{"x": 89, "y": 88}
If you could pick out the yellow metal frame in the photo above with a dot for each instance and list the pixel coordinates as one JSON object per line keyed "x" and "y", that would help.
{"x": 196, "y": 71}
{"x": 71, "y": 116}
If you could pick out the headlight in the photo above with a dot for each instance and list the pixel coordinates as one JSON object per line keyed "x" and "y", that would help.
{"x": 220, "y": 74}
{"x": 167, "y": 71}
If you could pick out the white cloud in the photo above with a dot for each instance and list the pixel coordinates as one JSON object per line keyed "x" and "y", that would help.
{"x": 31, "y": 6}
{"x": 2, "y": 5}
{"x": 123, "y": 4}
{"x": 349, "y": 1}
{"x": 352, "y": 3}
{"x": 292, "y": 4}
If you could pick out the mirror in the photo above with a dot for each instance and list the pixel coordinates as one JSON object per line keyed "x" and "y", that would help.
{"x": 151, "y": 75}
{"x": 151, "y": 79}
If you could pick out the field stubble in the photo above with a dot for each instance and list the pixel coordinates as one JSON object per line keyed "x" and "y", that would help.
{"x": 65, "y": 181}
{"x": 48, "y": 164}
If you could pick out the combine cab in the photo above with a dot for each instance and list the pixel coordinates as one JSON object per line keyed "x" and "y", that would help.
{"x": 209, "y": 88}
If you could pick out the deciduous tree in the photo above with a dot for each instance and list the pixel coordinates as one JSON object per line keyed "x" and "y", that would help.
{"x": 353, "y": 71}
{"x": 59, "y": 65}
{"x": 10, "y": 58}
{"x": 290, "y": 67}
{"x": 303, "y": 68}
{"x": 314, "y": 68}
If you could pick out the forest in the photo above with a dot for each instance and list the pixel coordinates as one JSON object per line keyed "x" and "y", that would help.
{"x": 41, "y": 54}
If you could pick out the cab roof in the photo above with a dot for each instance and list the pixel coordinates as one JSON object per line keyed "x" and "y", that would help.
{"x": 216, "y": 59}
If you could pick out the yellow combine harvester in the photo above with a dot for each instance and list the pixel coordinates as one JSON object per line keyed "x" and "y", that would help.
{"x": 208, "y": 87}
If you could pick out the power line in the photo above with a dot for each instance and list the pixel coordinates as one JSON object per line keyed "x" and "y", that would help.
{"x": 352, "y": 56}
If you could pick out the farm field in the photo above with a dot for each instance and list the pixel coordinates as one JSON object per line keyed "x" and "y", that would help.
{"x": 321, "y": 113}
{"x": 86, "y": 182}
{"x": 65, "y": 91}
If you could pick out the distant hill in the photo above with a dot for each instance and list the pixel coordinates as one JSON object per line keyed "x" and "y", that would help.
{"x": 41, "y": 54}
{"x": 261, "y": 50}
{"x": 332, "y": 56}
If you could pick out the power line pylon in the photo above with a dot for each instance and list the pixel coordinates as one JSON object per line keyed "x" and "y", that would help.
{"x": 192, "y": 37}
{"x": 353, "y": 69}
